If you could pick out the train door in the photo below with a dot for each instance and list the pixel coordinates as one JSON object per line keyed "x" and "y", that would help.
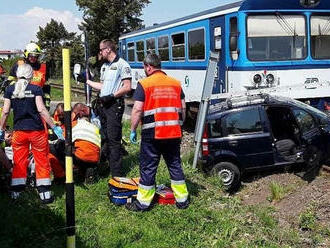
{"x": 217, "y": 40}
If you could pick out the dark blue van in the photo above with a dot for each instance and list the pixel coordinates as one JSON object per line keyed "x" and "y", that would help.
{"x": 262, "y": 131}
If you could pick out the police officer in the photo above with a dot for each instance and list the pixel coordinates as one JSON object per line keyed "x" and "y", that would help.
{"x": 115, "y": 82}
{"x": 159, "y": 104}
{"x": 40, "y": 75}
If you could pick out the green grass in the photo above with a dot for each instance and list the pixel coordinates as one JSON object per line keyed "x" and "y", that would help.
{"x": 213, "y": 219}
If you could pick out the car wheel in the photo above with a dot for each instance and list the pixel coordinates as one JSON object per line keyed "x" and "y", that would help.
{"x": 229, "y": 174}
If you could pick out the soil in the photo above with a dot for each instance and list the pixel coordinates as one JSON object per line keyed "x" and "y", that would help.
{"x": 300, "y": 196}
{"x": 302, "y": 191}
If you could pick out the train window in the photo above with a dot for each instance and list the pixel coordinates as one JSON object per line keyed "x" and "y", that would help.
{"x": 151, "y": 46}
{"x": 286, "y": 40}
{"x": 140, "y": 50}
{"x": 320, "y": 37}
{"x": 163, "y": 49}
{"x": 178, "y": 47}
{"x": 130, "y": 51}
{"x": 196, "y": 44}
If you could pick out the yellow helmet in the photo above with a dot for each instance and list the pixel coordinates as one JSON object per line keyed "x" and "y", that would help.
{"x": 33, "y": 49}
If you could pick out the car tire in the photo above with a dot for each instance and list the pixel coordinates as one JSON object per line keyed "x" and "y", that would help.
{"x": 229, "y": 174}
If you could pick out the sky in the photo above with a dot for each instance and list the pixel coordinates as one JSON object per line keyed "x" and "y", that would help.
{"x": 20, "y": 20}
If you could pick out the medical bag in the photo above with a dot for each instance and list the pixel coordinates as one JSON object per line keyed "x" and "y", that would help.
{"x": 164, "y": 195}
{"x": 122, "y": 190}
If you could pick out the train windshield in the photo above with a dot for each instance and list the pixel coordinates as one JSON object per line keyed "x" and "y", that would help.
{"x": 276, "y": 37}
{"x": 320, "y": 37}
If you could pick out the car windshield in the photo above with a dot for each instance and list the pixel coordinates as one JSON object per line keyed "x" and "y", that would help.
{"x": 323, "y": 116}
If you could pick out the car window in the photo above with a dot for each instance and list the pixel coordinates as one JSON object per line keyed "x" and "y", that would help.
{"x": 215, "y": 128}
{"x": 304, "y": 119}
{"x": 246, "y": 121}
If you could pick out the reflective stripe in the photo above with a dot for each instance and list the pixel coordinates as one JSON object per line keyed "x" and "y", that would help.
{"x": 45, "y": 195}
{"x": 180, "y": 191}
{"x": 145, "y": 194}
{"x": 43, "y": 181}
{"x": 178, "y": 182}
{"x": 85, "y": 130}
{"x": 146, "y": 187}
{"x": 18, "y": 181}
{"x": 162, "y": 110}
{"x": 161, "y": 124}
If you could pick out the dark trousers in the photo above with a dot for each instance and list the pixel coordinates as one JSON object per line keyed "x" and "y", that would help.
{"x": 151, "y": 151}
{"x": 113, "y": 129}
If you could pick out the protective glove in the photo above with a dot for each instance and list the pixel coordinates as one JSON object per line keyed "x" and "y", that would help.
{"x": 59, "y": 132}
{"x": 133, "y": 137}
{"x": 2, "y": 136}
{"x": 107, "y": 99}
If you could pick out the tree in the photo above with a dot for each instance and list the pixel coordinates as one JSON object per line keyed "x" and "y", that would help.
{"x": 104, "y": 19}
{"x": 52, "y": 39}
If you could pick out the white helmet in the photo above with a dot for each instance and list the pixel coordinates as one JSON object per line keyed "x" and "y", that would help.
{"x": 33, "y": 49}
{"x": 24, "y": 71}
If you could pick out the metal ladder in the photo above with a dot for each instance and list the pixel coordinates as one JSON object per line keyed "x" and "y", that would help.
{"x": 204, "y": 104}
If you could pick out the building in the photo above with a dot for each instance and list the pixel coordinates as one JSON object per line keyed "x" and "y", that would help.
{"x": 6, "y": 54}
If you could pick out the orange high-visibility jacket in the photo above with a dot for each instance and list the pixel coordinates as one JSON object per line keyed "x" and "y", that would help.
{"x": 162, "y": 105}
{"x": 39, "y": 76}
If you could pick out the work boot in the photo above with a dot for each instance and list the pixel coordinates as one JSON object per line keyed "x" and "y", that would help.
{"x": 15, "y": 195}
{"x": 91, "y": 175}
{"x": 182, "y": 205}
{"x": 136, "y": 206}
{"x": 45, "y": 194}
{"x": 46, "y": 197}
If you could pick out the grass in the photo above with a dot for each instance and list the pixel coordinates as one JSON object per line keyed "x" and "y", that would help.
{"x": 57, "y": 94}
{"x": 213, "y": 219}
{"x": 279, "y": 191}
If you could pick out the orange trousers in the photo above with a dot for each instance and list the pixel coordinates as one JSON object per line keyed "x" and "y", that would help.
{"x": 22, "y": 142}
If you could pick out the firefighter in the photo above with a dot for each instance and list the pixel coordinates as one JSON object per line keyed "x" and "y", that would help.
{"x": 159, "y": 103}
{"x": 30, "y": 132}
{"x": 32, "y": 53}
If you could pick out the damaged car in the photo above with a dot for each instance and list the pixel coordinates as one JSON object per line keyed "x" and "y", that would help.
{"x": 260, "y": 132}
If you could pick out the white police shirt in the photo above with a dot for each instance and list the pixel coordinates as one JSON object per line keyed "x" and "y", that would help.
{"x": 112, "y": 75}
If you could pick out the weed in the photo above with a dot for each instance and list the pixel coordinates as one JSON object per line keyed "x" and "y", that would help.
{"x": 307, "y": 219}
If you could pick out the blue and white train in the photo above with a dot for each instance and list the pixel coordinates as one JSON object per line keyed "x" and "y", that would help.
{"x": 277, "y": 46}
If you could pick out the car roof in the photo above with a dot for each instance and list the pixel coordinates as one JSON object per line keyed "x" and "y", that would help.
{"x": 246, "y": 101}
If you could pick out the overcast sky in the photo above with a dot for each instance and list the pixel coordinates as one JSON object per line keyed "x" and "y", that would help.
{"x": 20, "y": 20}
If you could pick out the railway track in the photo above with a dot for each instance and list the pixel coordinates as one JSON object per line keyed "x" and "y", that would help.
{"x": 77, "y": 90}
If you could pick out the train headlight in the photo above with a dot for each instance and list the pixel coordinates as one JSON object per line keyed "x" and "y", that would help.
{"x": 309, "y": 3}
{"x": 270, "y": 79}
{"x": 257, "y": 79}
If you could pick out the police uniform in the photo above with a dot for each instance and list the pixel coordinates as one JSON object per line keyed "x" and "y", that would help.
{"x": 112, "y": 75}
{"x": 160, "y": 135}
{"x": 29, "y": 130}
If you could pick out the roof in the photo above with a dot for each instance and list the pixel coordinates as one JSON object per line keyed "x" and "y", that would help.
{"x": 281, "y": 4}
{"x": 200, "y": 16}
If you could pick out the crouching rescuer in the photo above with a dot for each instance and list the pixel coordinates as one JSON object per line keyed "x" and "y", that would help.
{"x": 159, "y": 104}
{"x": 30, "y": 115}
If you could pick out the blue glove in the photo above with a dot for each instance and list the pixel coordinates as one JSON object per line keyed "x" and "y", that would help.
{"x": 2, "y": 136}
{"x": 59, "y": 132}
{"x": 132, "y": 137}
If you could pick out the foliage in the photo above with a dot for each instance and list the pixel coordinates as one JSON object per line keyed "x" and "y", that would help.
{"x": 108, "y": 19}
{"x": 8, "y": 64}
{"x": 307, "y": 219}
{"x": 52, "y": 39}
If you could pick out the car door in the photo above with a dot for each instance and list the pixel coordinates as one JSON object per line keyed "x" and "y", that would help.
{"x": 311, "y": 136}
{"x": 245, "y": 136}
